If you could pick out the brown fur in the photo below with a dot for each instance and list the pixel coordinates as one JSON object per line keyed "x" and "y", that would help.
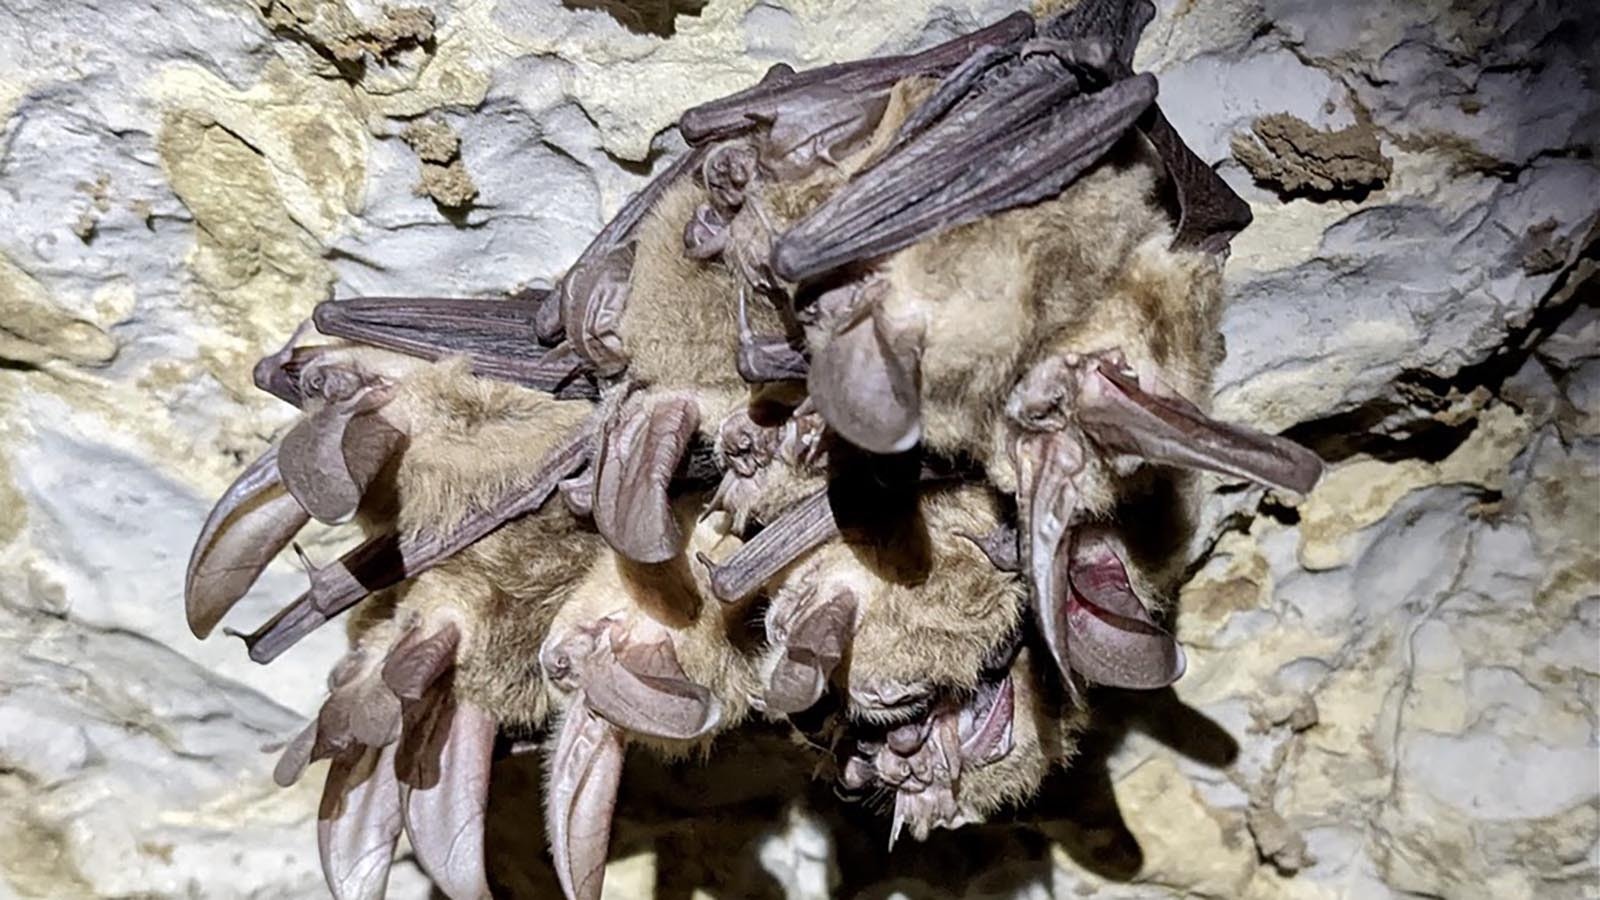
{"x": 935, "y": 630}
{"x": 510, "y": 586}
{"x": 676, "y": 595}
{"x": 1086, "y": 271}
{"x": 472, "y": 439}
{"x": 680, "y": 328}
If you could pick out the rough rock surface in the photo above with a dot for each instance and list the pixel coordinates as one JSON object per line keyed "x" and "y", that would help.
{"x": 1392, "y": 689}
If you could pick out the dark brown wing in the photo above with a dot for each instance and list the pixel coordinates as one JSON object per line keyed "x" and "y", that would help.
{"x": 1022, "y": 133}
{"x": 789, "y": 93}
{"x": 499, "y": 338}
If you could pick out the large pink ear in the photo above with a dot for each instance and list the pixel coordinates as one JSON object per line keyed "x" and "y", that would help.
{"x": 985, "y": 724}
{"x": 1111, "y": 637}
{"x": 255, "y": 519}
{"x": 813, "y": 646}
{"x": 358, "y": 824}
{"x": 1048, "y": 464}
{"x": 1120, "y": 415}
{"x": 638, "y": 685}
{"x": 331, "y": 457}
{"x": 580, "y": 797}
{"x": 639, "y": 453}
{"x": 866, "y": 380}
{"x": 444, "y": 816}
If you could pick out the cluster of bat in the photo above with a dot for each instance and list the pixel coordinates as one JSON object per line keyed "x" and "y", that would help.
{"x": 827, "y": 426}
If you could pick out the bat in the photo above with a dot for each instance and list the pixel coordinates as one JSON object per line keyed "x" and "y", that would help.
{"x": 873, "y": 364}
{"x": 642, "y": 656}
{"x": 441, "y": 664}
{"x": 914, "y": 611}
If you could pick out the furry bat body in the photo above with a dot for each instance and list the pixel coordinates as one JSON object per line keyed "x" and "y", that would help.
{"x": 895, "y": 616}
{"x": 643, "y": 655}
{"x": 873, "y": 301}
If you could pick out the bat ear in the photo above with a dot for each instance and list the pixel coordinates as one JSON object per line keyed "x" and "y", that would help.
{"x": 361, "y": 712}
{"x": 866, "y": 378}
{"x": 593, "y": 296}
{"x": 985, "y": 724}
{"x": 814, "y": 645}
{"x": 387, "y": 559}
{"x": 296, "y": 756}
{"x": 639, "y": 453}
{"x": 359, "y": 823}
{"x": 1047, "y": 496}
{"x": 444, "y": 791}
{"x": 255, "y": 519}
{"x": 999, "y": 545}
{"x": 416, "y": 663}
{"x": 637, "y": 684}
{"x": 1120, "y": 415}
{"x": 580, "y": 796}
{"x": 1111, "y": 638}
{"x": 331, "y": 457}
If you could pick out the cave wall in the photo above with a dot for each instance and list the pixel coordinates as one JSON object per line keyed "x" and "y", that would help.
{"x": 1392, "y": 684}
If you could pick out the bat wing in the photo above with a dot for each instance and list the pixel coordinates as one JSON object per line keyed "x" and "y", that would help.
{"x": 1209, "y": 212}
{"x": 798, "y": 530}
{"x": 580, "y": 796}
{"x": 1114, "y": 25}
{"x": 499, "y": 338}
{"x": 785, "y": 93}
{"x": 1023, "y": 131}
{"x": 389, "y": 559}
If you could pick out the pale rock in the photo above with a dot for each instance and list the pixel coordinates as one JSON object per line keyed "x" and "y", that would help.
{"x": 181, "y": 182}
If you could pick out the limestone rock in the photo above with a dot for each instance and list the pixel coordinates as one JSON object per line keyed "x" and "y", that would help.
{"x": 181, "y": 182}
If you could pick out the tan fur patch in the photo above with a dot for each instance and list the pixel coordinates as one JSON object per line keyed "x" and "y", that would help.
{"x": 935, "y": 630}
{"x": 472, "y": 440}
{"x": 680, "y": 328}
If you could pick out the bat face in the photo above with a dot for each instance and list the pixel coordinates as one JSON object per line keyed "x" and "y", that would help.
{"x": 893, "y": 619}
{"x": 966, "y": 755}
{"x": 829, "y": 424}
